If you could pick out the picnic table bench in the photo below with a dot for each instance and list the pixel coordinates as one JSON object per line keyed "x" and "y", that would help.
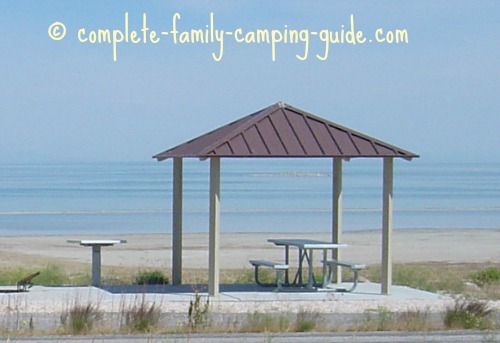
{"x": 355, "y": 267}
{"x": 278, "y": 267}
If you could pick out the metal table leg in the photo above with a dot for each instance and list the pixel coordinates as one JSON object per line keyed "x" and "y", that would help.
{"x": 310, "y": 281}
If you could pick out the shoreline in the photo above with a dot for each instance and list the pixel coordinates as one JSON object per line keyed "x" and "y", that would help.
{"x": 204, "y": 231}
{"x": 153, "y": 250}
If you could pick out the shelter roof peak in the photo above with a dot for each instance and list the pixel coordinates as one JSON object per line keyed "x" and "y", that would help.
{"x": 282, "y": 130}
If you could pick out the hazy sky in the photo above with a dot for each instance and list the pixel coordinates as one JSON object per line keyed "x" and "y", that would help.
{"x": 67, "y": 100}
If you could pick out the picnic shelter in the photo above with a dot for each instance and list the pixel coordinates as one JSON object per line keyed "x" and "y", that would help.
{"x": 280, "y": 131}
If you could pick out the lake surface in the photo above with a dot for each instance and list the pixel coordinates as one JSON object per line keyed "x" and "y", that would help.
{"x": 256, "y": 195}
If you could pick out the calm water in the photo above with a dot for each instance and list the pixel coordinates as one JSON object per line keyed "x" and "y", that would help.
{"x": 257, "y": 195}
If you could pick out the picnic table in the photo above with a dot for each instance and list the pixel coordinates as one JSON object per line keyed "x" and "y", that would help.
{"x": 96, "y": 245}
{"x": 306, "y": 248}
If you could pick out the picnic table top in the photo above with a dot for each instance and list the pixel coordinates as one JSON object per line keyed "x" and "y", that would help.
{"x": 306, "y": 243}
{"x": 97, "y": 242}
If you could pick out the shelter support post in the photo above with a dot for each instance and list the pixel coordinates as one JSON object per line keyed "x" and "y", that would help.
{"x": 337, "y": 214}
{"x": 177, "y": 222}
{"x": 387, "y": 225}
{"x": 214, "y": 227}
{"x": 96, "y": 265}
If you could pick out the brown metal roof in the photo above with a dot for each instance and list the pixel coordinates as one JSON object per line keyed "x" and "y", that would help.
{"x": 282, "y": 130}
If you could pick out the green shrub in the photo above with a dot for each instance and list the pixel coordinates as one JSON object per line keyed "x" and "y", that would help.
{"x": 155, "y": 277}
{"x": 486, "y": 276}
{"x": 468, "y": 314}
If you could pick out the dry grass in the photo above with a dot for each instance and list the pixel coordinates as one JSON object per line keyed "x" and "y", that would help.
{"x": 440, "y": 277}
{"x": 264, "y": 322}
{"x": 141, "y": 316}
{"x": 430, "y": 276}
{"x": 80, "y": 318}
{"x": 383, "y": 320}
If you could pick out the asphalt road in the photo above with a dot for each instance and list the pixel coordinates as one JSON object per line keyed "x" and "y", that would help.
{"x": 365, "y": 337}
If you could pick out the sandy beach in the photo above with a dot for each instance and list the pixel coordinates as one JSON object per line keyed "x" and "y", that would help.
{"x": 145, "y": 251}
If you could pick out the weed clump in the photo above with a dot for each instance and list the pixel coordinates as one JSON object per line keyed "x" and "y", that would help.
{"x": 198, "y": 313}
{"x": 305, "y": 321}
{"x": 468, "y": 314}
{"x": 80, "y": 319}
{"x": 385, "y": 317}
{"x": 142, "y": 317}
